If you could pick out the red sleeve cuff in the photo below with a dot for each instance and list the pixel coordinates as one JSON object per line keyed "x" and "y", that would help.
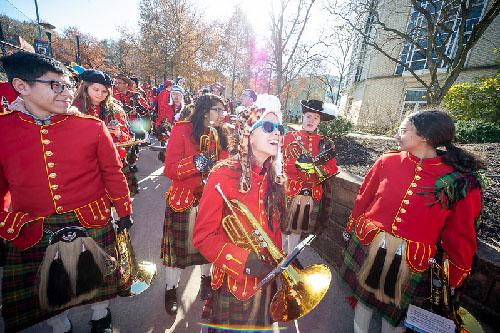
{"x": 232, "y": 260}
{"x": 186, "y": 168}
{"x": 21, "y": 229}
{"x": 457, "y": 274}
{"x": 122, "y": 205}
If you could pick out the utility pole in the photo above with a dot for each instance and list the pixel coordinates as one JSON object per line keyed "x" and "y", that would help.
{"x": 38, "y": 21}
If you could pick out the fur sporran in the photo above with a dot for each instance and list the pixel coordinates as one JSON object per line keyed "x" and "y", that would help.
{"x": 299, "y": 214}
{"x": 73, "y": 269}
{"x": 385, "y": 271}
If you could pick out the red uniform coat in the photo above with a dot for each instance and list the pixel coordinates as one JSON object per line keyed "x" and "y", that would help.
{"x": 166, "y": 112}
{"x": 209, "y": 237}
{"x": 70, "y": 165}
{"x": 296, "y": 178}
{"x": 388, "y": 200}
{"x": 179, "y": 166}
{"x": 7, "y": 96}
{"x": 125, "y": 100}
{"x": 95, "y": 111}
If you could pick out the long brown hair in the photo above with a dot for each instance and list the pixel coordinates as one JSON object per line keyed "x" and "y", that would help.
{"x": 83, "y": 97}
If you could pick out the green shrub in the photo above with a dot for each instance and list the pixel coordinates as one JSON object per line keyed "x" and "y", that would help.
{"x": 477, "y": 100}
{"x": 335, "y": 128}
{"x": 476, "y": 131}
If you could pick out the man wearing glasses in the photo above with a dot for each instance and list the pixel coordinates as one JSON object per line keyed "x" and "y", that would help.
{"x": 63, "y": 174}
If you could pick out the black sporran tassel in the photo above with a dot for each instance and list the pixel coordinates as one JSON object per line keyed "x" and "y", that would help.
{"x": 58, "y": 284}
{"x": 89, "y": 275}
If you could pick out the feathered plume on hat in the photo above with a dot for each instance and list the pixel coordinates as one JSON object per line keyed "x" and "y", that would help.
{"x": 326, "y": 111}
{"x": 247, "y": 118}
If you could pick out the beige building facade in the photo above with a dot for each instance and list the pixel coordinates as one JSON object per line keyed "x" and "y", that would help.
{"x": 378, "y": 94}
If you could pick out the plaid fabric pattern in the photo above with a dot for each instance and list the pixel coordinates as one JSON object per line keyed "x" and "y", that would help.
{"x": 174, "y": 242}
{"x": 20, "y": 307}
{"x": 222, "y": 308}
{"x": 132, "y": 155}
{"x": 414, "y": 291}
{"x": 133, "y": 185}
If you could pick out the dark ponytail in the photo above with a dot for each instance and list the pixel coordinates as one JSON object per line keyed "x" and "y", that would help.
{"x": 438, "y": 129}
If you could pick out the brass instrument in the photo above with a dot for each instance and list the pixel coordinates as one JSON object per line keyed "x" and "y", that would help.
{"x": 207, "y": 141}
{"x": 292, "y": 152}
{"x": 140, "y": 275}
{"x": 441, "y": 302}
{"x": 301, "y": 290}
{"x": 129, "y": 143}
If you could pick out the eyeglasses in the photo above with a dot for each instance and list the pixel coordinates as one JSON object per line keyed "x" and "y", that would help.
{"x": 402, "y": 131}
{"x": 56, "y": 86}
{"x": 269, "y": 127}
{"x": 220, "y": 112}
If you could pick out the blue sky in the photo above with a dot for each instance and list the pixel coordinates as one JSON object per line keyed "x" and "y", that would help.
{"x": 101, "y": 18}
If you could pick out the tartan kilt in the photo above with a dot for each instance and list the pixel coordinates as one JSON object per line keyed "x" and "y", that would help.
{"x": 222, "y": 308}
{"x": 174, "y": 246}
{"x": 20, "y": 305}
{"x": 414, "y": 291}
{"x": 322, "y": 210}
{"x": 133, "y": 185}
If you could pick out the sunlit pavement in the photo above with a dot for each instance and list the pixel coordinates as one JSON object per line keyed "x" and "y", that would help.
{"x": 145, "y": 312}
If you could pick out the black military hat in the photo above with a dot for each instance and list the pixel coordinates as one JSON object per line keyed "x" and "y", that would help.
{"x": 326, "y": 111}
{"x": 93, "y": 75}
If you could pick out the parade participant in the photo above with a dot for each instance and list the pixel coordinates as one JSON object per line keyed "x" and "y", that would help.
{"x": 218, "y": 89}
{"x": 179, "y": 81}
{"x": 172, "y": 112}
{"x": 411, "y": 203}
{"x": 248, "y": 98}
{"x": 7, "y": 96}
{"x": 163, "y": 98}
{"x": 185, "y": 165}
{"x": 94, "y": 98}
{"x": 308, "y": 190}
{"x": 63, "y": 174}
{"x": 250, "y": 177}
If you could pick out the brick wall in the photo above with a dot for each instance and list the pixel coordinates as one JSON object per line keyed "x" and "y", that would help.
{"x": 482, "y": 296}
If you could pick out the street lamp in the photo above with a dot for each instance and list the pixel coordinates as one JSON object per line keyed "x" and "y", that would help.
{"x": 48, "y": 31}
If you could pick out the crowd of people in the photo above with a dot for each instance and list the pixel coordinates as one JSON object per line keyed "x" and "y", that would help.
{"x": 240, "y": 192}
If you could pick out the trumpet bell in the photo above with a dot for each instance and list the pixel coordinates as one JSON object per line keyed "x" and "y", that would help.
{"x": 300, "y": 294}
{"x": 145, "y": 275}
{"x": 470, "y": 324}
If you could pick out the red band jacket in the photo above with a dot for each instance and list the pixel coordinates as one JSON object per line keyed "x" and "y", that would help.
{"x": 296, "y": 178}
{"x": 389, "y": 201}
{"x": 68, "y": 166}
{"x": 95, "y": 111}
{"x": 210, "y": 238}
{"x": 179, "y": 166}
{"x": 166, "y": 112}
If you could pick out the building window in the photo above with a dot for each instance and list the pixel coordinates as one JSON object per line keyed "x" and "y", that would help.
{"x": 414, "y": 57}
{"x": 414, "y": 101}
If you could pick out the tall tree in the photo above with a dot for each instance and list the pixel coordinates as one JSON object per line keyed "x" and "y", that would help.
{"x": 439, "y": 34}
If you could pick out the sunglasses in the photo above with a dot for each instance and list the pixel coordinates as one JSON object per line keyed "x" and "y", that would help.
{"x": 269, "y": 127}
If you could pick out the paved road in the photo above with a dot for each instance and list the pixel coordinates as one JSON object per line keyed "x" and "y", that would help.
{"x": 145, "y": 312}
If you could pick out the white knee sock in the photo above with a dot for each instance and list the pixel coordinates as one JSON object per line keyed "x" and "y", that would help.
{"x": 173, "y": 276}
{"x": 60, "y": 323}
{"x": 100, "y": 310}
{"x": 293, "y": 240}
{"x": 206, "y": 270}
{"x": 388, "y": 328}
{"x": 362, "y": 318}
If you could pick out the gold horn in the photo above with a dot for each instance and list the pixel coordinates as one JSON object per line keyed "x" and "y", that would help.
{"x": 293, "y": 152}
{"x": 301, "y": 290}
{"x": 207, "y": 142}
{"x": 139, "y": 275}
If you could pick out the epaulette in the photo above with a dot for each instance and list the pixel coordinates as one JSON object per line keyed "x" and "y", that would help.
{"x": 5, "y": 113}
{"x": 393, "y": 152}
{"x": 182, "y": 122}
{"x": 83, "y": 115}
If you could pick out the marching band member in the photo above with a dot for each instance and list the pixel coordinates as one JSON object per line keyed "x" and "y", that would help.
{"x": 251, "y": 178}
{"x": 94, "y": 98}
{"x": 308, "y": 195}
{"x": 63, "y": 174}
{"x": 409, "y": 201}
{"x": 185, "y": 164}
{"x": 172, "y": 112}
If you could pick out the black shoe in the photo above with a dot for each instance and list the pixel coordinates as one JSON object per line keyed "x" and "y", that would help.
{"x": 205, "y": 287}
{"x": 171, "y": 301}
{"x": 102, "y": 325}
